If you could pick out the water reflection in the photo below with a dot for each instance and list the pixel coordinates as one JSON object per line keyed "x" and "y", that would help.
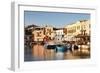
{"x": 39, "y": 53}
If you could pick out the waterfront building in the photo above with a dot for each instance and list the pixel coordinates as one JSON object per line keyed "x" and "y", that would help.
{"x": 38, "y": 34}
{"x": 48, "y": 31}
{"x": 59, "y": 35}
{"x": 75, "y": 29}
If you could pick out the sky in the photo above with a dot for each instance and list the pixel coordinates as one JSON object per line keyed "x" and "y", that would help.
{"x": 55, "y": 19}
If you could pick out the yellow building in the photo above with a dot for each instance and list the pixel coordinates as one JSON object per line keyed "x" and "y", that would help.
{"x": 48, "y": 31}
{"x": 80, "y": 27}
{"x": 38, "y": 34}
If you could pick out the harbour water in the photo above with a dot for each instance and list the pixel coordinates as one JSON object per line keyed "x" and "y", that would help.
{"x": 39, "y": 53}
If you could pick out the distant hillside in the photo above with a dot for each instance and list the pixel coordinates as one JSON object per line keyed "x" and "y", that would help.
{"x": 33, "y": 25}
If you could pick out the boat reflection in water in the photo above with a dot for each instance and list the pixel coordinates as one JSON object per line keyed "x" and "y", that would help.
{"x": 59, "y": 52}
